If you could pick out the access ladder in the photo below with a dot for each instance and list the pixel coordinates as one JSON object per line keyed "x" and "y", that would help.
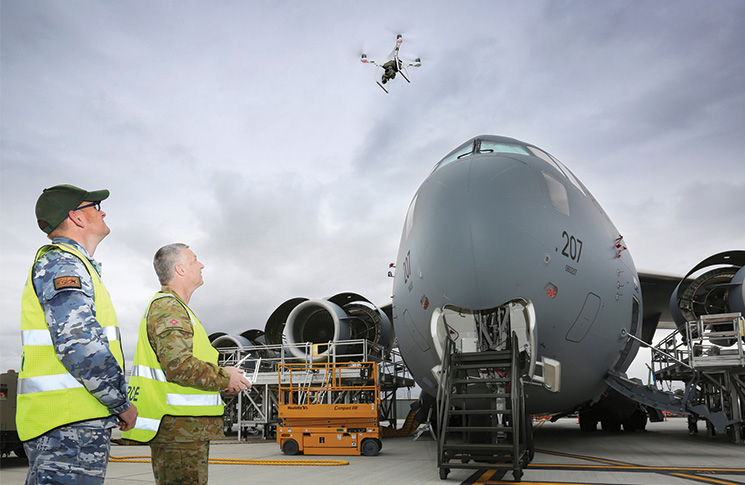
{"x": 481, "y": 407}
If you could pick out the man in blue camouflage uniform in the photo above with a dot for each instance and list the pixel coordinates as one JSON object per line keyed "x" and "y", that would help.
{"x": 74, "y": 306}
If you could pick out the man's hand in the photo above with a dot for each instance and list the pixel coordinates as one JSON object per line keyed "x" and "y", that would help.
{"x": 127, "y": 418}
{"x": 237, "y": 382}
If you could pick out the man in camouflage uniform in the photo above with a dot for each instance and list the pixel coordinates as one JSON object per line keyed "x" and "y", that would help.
{"x": 180, "y": 449}
{"x": 67, "y": 318}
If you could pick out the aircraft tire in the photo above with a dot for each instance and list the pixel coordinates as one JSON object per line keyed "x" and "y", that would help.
{"x": 636, "y": 422}
{"x": 611, "y": 425}
{"x": 587, "y": 422}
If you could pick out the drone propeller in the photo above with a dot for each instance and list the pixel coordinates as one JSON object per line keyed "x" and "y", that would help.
{"x": 364, "y": 59}
{"x": 399, "y": 30}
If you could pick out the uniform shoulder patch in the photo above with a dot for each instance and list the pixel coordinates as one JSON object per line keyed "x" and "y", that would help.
{"x": 67, "y": 282}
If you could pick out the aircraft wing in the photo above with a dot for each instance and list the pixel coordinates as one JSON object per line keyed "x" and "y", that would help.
{"x": 656, "y": 291}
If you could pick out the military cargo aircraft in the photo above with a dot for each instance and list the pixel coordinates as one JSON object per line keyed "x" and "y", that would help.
{"x": 501, "y": 230}
{"x": 504, "y": 249}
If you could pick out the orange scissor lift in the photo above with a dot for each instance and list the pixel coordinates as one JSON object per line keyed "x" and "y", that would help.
{"x": 329, "y": 408}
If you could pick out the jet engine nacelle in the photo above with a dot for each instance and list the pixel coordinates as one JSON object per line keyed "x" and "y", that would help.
{"x": 346, "y": 316}
{"x": 719, "y": 289}
{"x": 250, "y": 344}
{"x": 227, "y": 341}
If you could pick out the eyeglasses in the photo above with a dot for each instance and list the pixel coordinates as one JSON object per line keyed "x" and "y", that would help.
{"x": 97, "y": 206}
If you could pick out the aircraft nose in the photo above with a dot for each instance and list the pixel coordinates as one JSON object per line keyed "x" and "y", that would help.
{"x": 485, "y": 219}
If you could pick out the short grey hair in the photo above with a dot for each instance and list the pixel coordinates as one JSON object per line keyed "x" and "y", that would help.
{"x": 165, "y": 261}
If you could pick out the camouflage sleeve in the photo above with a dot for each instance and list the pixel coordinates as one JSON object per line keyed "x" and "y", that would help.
{"x": 171, "y": 334}
{"x": 78, "y": 338}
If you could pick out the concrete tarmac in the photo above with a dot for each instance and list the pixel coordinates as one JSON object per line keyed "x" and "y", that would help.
{"x": 664, "y": 454}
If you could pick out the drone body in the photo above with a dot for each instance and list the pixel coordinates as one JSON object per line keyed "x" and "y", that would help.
{"x": 392, "y": 65}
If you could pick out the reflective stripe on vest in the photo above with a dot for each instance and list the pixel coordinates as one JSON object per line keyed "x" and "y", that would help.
{"x": 149, "y": 373}
{"x": 147, "y": 424}
{"x": 173, "y": 399}
{"x": 43, "y": 337}
{"x": 193, "y": 399}
{"x": 57, "y": 382}
{"x": 49, "y": 396}
{"x": 151, "y": 392}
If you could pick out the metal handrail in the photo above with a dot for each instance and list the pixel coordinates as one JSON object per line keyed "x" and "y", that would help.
{"x": 626, "y": 334}
{"x": 268, "y": 358}
{"x": 706, "y": 335}
{"x": 443, "y": 397}
{"x": 515, "y": 395}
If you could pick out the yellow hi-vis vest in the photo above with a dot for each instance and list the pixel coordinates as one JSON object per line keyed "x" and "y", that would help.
{"x": 48, "y": 395}
{"x": 154, "y": 396}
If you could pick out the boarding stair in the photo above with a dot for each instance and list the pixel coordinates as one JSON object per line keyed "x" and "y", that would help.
{"x": 481, "y": 409}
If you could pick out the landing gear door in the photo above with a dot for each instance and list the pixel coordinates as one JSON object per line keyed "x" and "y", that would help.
{"x": 522, "y": 323}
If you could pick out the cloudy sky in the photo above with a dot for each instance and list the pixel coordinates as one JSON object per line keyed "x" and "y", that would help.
{"x": 251, "y": 131}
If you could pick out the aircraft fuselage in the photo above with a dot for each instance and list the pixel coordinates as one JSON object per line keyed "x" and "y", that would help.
{"x": 497, "y": 221}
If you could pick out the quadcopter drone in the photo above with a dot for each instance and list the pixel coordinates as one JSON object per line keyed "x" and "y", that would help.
{"x": 392, "y": 65}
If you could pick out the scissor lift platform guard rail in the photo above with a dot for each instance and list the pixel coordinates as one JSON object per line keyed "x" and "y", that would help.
{"x": 254, "y": 412}
{"x": 329, "y": 408}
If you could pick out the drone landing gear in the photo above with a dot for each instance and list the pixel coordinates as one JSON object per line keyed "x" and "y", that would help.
{"x": 382, "y": 87}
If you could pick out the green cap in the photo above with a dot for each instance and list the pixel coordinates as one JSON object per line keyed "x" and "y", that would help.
{"x": 56, "y": 202}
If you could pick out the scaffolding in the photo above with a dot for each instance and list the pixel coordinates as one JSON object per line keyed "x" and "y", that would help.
{"x": 255, "y": 412}
{"x": 709, "y": 357}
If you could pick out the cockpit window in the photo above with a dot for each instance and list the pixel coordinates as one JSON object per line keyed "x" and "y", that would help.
{"x": 455, "y": 156}
{"x": 477, "y": 146}
{"x": 558, "y": 193}
{"x": 558, "y": 166}
{"x": 484, "y": 146}
{"x": 571, "y": 177}
{"x": 544, "y": 156}
{"x": 410, "y": 217}
{"x": 497, "y": 147}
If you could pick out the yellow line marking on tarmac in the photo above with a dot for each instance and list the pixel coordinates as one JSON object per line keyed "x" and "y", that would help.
{"x": 681, "y": 475}
{"x": 483, "y": 479}
{"x": 499, "y": 482}
{"x": 706, "y": 479}
{"x": 612, "y": 465}
{"x": 238, "y": 461}
{"x": 620, "y": 464}
{"x": 582, "y": 457}
{"x": 539, "y": 466}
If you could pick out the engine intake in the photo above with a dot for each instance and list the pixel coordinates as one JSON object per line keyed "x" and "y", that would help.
{"x": 346, "y": 316}
{"x": 719, "y": 289}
